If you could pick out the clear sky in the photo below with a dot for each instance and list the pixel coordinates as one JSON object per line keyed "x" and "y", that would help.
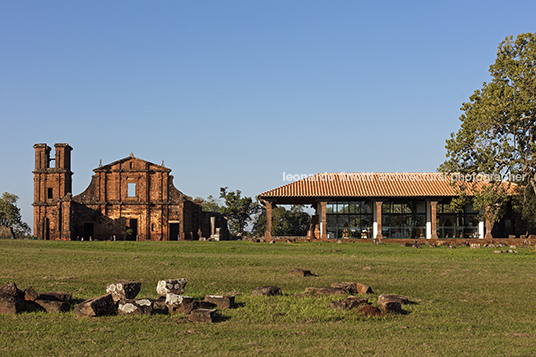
{"x": 236, "y": 93}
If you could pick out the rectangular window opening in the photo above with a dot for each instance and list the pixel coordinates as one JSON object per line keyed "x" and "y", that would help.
{"x": 131, "y": 189}
{"x": 50, "y": 193}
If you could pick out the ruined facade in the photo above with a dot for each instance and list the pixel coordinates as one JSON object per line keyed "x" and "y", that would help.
{"x": 129, "y": 199}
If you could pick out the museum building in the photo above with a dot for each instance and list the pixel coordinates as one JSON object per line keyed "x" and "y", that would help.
{"x": 385, "y": 205}
{"x": 129, "y": 199}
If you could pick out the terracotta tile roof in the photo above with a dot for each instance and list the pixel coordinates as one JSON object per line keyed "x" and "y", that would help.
{"x": 399, "y": 184}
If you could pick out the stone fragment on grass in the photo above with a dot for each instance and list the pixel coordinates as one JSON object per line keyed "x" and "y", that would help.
{"x": 266, "y": 291}
{"x": 55, "y": 301}
{"x": 325, "y": 291}
{"x": 159, "y": 306}
{"x": 370, "y": 310}
{"x": 171, "y": 286}
{"x": 391, "y": 306}
{"x": 10, "y": 289}
{"x": 300, "y": 272}
{"x": 30, "y": 294}
{"x": 203, "y": 304}
{"x": 348, "y": 286}
{"x": 179, "y": 303}
{"x": 203, "y": 315}
{"x": 382, "y": 299}
{"x": 123, "y": 290}
{"x": 134, "y": 307}
{"x": 222, "y": 301}
{"x": 97, "y": 306}
{"x": 53, "y": 305}
{"x": 351, "y": 302}
{"x": 11, "y": 299}
{"x": 56, "y": 296}
{"x": 363, "y": 289}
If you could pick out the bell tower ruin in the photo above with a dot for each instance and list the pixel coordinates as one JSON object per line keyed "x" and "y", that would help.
{"x": 52, "y": 192}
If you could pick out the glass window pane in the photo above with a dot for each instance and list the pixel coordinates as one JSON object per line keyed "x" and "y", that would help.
{"x": 421, "y": 207}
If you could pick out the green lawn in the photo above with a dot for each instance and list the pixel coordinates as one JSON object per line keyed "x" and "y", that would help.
{"x": 468, "y": 302}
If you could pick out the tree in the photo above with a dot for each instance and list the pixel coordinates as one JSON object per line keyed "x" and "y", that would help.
{"x": 292, "y": 222}
{"x": 238, "y": 210}
{"x": 10, "y": 215}
{"x": 498, "y": 131}
{"x": 210, "y": 204}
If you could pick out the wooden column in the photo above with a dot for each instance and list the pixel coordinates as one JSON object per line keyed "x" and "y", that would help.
{"x": 433, "y": 219}
{"x": 379, "y": 219}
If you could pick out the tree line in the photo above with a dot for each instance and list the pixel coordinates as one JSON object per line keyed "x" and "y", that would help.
{"x": 246, "y": 216}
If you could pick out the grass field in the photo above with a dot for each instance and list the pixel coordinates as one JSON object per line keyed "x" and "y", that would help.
{"x": 468, "y": 302}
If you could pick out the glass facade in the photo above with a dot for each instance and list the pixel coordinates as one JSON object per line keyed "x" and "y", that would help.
{"x": 349, "y": 219}
{"x": 404, "y": 219}
{"x": 455, "y": 224}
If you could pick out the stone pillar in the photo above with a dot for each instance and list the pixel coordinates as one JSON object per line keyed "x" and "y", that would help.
{"x": 433, "y": 219}
{"x": 379, "y": 219}
{"x": 323, "y": 225}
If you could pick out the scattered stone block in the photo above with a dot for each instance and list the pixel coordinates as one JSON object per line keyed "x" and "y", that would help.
{"x": 363, "y": 289}
{"x": 325, "y": 291}
{"x": 348, "y": 286}
{"x": 370, "y": 310}
{"x": 382, "y": 299}
{"x": 171, "y": 286}
{"x": 351, "y": 302}
{"x": 11, "y": 299}
{"x": 203, "y": 304}
{"x": 159, "y": 306}
{"x": 179, "y": 303}
{"x": 10, "y": 289}
{"x": 475, "y": 246}
{"x": 56, "y": 296}
{"x": 300, "y": 272}
{"x": 30, "y": 294}
{"x": 11, "y": 304}
{"x": 391, "y": 306}
{"x": 134, "y": 307}
{"x": 124, "y": 290}
{"x": 203, "y": 315}
{"x": 222, "y": 301}
{"x": 53, "y": 305}
{"x": 266, "y": 291}
{"x": 97, "y": 306}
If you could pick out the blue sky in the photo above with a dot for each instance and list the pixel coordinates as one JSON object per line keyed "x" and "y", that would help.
{"x": 235, "y": 93}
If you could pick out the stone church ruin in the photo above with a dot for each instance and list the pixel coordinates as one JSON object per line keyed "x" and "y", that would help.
{"x": 129, "y": 199}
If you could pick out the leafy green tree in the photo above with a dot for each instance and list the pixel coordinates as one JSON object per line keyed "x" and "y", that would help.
{"x": 498, "y": 128}
{"x": 210, "y": 204}
{"x": 10, "y": 215}
{"x": 291, "y": 222}
{"x": 238, "y": 210}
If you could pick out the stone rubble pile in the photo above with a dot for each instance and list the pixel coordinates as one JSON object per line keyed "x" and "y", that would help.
{"x": 120, "y": 299}
{"x": 13, "y": 300}
{"x": 384, "y": 305}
